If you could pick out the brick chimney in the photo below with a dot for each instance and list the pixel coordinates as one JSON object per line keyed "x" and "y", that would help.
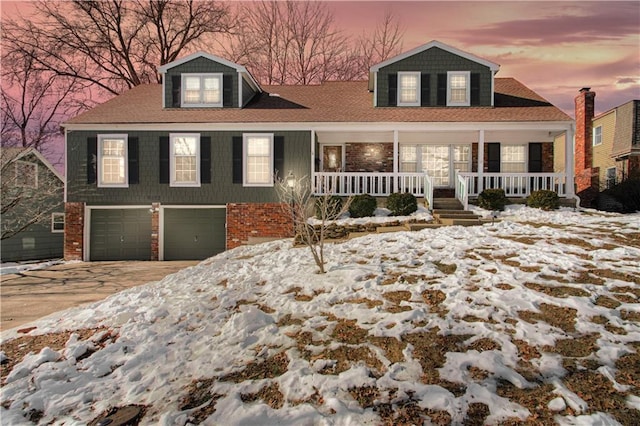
{"x": 586, "y": 176}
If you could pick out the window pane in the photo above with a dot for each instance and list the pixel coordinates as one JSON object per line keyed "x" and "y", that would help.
{"x": 435, "y": 161}
{"x": 113, "y": 161}
{"x": 211, "y": 93}
{"x": 408, "y": 159}
{"x": 192, "y": 90}
{"x": 185, "y": 169}
{"x": 408, "y": 88}
{"x": 258, "y": 162}
{"x": 185, "y": 146}
{"x": 458, "y": 88}
{"x": 513, "y": 159}
{"x": 461, "y": 158}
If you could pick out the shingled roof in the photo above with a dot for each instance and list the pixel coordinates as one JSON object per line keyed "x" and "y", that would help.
{"x": 330, "y": 102}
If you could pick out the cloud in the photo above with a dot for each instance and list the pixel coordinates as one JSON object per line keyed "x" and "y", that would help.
{"x": 599, "y": 21}
{"x": 628, "y": 80}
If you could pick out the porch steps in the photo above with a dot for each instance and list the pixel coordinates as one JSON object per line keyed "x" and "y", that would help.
{"x": 446, "y": 204}
{"x": 385, "y": 229}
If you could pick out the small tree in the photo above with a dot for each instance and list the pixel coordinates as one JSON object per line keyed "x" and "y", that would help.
{"x": 300, "y": 204}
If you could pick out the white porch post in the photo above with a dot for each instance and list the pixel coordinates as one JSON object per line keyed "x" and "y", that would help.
{"x": 396, "y": 160}
{"x": 313, "y": 160}
{"x": 569, "y": 167}
{"x": 480, "y": 187}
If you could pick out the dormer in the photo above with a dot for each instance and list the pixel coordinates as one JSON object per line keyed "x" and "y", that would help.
{"x": 433, "y": 75}
{"x": 202, "y": 80}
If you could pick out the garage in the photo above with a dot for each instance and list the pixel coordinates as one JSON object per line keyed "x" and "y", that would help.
{"x": 120, "y": 234}
{"x": 193, "y": 233}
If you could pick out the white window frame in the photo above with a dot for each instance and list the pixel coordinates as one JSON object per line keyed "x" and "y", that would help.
{"x": 597, "y": 136}
{"x": 609, "y": 178}
{"x": 201, "y": 76}
{"x": 125, "y": 139}
{"x": 172, "y": 160}
{"x": 245, "y": 156}
{"x": 399, "y": 88}
{"x": 525, "y": 157}
{"x": 467, "y": 76}
{"x": 34, "y": 173}
{"x": 420, "y": 168}
{"x": 55, "y": 216}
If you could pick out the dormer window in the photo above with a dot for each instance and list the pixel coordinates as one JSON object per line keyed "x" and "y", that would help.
{"x": 458, "y": 88}
{"x": 202, "y": 90}
{"x": 409, "y": 88}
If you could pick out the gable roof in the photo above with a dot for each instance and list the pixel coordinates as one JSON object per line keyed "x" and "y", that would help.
{"x": 435, "y": 43}
{"x": 331, "y": 102}
{"x": 11, "y": 154}
{"x": 242, "y": 70}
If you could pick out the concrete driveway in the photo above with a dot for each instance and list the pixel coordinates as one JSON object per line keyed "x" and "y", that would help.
{"x": 29, "y": 295}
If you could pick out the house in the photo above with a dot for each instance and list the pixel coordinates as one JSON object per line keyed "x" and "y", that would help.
{"x": 32, "y": 220}
{"x": 607, "y": 146}
{"x": 185, "y": 169}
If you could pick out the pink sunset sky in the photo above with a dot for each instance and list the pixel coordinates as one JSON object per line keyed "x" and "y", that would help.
{"x": 555, "y": 48}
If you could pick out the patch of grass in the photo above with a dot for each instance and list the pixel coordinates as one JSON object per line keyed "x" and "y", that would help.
{"x": 484, "y": 344}
{"x": 618, "y": 275}
{"x": 535, "y": 400}
{"x": 271, "y": 367}
{"x": 628, "y": 369}
{"x": 558, "y": 291}
{"x": 607, "y": 302}
{"x": 269, "y": 394}
{"x": 445, "y": 268}
{"x": 365, "y": 395}
{"x": 371, "y": 303}
{"x": 630, "y": 315}
{"x": 391, "y": 347}
{"x": 504, "y": 286}
{"x": 525, "y": 350}
{"x": 557, "y": 316}
{"x": 477, "y": 413}
{"x": 288, "y": 319}
{"x": 397, "y": 296}
{"x": 197, "y": 394}
{"x": 575, "y": 347}
{"x": 346, "y": 331}
{"x": 347, "y": 356}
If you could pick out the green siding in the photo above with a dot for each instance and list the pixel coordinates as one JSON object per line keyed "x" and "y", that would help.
{"x": 198, "y": 65}
{"x": 46, "y": 244}
{"x": 247, "y": 92}
{"x": 434, "y": 61}
{"x": 221, "y": 190}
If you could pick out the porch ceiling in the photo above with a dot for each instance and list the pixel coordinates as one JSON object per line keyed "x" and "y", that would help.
{"x": 434, "y": 137}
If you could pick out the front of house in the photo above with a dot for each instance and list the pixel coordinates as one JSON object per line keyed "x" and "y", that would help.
{"x": 185, "y": 169}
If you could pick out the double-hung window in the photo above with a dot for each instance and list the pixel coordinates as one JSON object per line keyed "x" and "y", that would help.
{"x": 184, "y": 167}
{"x": 612, "y": 174}
{"x": 26, "y": 174}
{"x": 438, "y": 161}
{"x": 513, "y": 159}
{"x": 597, "y": 135}
{"x": 202, "y": 90}
{"x": 112, "y": 161}
{"x": 57, "y": 222}
{"x": 258, "y": 159}
{"x": 458, "y": 88}
{"x": 409, "y": 88}
{"x": 408, "y": 159}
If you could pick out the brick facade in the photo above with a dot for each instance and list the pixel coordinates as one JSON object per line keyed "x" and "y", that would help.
{"x": 369, "y": 157}
{"x": 73, "y": 231}
{"x": 256, "y": 220}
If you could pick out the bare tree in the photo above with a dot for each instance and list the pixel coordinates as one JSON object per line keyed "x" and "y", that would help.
{"x": 29, "y": 191}
{"x": 289, "y": 42}
{"x": 383, "y": 43}
{"x": 33, "y": 102}
{"x": 115, "y": 44}
{"x": 299, "y": 202}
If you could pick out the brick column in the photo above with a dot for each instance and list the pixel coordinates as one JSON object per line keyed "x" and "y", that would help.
{"x": 73, "y": 231}
{"x": 585, "y": 177}
{"x": 155, "y": 231}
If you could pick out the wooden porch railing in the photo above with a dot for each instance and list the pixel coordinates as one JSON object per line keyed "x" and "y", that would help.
{"x": 515, "y": 184}
{"x": 376, "y": 184}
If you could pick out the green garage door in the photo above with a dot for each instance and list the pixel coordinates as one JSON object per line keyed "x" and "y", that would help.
{"x": 120, "y": 234}
{"x": 193, "y": 234}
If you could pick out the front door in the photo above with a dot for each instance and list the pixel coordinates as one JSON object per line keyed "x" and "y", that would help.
{"x": 332, "y": 158}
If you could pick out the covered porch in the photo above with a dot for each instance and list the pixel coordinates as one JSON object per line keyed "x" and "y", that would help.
{"x": 431, "y": 160}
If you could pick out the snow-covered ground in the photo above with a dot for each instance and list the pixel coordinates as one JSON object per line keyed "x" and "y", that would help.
{"x": 535, "y": 317}
{"x": 16, "y": 267}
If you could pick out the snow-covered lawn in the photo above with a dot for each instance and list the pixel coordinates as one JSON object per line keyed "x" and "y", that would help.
{"x": 534, "y": 320}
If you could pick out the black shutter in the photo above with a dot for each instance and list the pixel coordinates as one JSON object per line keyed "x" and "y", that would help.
{"x": 176, "y": 82}
{"x": 205, "y": 159}
{"x": 493, "y": 150}
{"x": 475, "y": 89}
{"x": 92, "y": 160}
{"x": 535, "y": 157}
{"x": 237, "y": 159}
{"x": 442, "y": 90}
{"x": 164, "y": 159}
{"x": 425, "y": 90}
{"x": 278, "y": 156}
{"x": 227, "y": 90}
{"x": 134, "y": 173}
{"x": 393, "y": 89}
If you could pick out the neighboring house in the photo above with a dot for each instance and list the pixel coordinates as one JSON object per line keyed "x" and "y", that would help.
{"x": 185, "y": 169}
{"x": 607, "y": 146}
{"x": 32, "y": 207}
